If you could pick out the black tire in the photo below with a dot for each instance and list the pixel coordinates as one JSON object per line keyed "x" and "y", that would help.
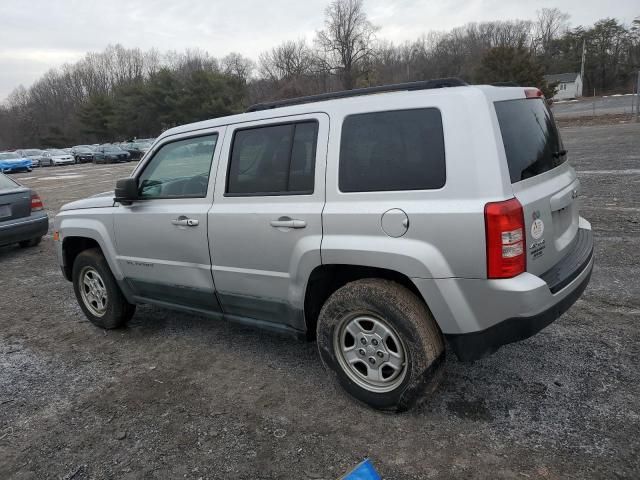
{"x": 413, "y": 323}
{"x": 118, "y": 310}
{"x": 30, "y": 243}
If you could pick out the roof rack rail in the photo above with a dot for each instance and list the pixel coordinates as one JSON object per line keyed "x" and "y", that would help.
{"x": 421, "y": 85}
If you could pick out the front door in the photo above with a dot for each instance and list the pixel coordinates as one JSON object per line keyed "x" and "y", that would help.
{"x": 161, "y": 238}
{"x": 265, "y": 226}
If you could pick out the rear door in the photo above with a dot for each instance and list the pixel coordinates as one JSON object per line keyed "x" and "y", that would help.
{"x": 265, "y": 225}
{"x": 15, "y": 200}
{"x": 542, "y": 181}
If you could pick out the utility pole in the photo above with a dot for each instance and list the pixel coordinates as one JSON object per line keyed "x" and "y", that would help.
{"x": 584, "y": 55}
{"x": 638, "y": 98}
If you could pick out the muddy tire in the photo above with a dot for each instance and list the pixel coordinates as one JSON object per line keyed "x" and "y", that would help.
{"x": 381, "y": 344}
{"x": 98, "y": 293}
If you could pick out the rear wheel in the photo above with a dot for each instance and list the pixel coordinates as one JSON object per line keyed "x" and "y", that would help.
{"x": 98, "y": 293}
{"x": 381, "y": 344}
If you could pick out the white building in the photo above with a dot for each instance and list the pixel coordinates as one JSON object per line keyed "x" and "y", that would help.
{"x": 569, "y": 85}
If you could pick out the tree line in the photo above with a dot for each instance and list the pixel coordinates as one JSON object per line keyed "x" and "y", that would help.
{"x": 124, "y": 93}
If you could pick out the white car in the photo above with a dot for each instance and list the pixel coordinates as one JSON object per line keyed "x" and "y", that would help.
{"x": 54, "y": 157}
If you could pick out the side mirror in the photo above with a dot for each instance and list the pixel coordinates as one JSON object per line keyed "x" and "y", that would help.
{"x": 126, "y": 191}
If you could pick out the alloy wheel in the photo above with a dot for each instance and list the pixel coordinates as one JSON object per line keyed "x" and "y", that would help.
{"x": 370, "y": 352}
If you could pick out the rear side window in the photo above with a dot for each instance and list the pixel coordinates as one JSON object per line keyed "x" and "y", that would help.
{"x": 273, "y": 160}
{"x": 530, "y": 136}
{"x": 395, "y": 150}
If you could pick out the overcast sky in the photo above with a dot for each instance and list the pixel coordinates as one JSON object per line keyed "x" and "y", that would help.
{"x": 36, "y": 35}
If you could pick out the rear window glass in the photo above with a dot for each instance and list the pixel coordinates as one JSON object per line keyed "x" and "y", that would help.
{"x": 395, "y": 150}
{"x": 6, "y": 183}
{"x": 530, "y": 136}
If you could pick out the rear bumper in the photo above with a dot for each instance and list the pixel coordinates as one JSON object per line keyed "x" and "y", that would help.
{"x": 34, "y": 226}
{"x": 473, "y": 346}
{"x": 478, "y": 316}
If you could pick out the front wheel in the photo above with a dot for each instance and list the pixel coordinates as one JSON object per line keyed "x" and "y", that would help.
{"x": 381, "y": 344}
{"x": 98, "y": 293}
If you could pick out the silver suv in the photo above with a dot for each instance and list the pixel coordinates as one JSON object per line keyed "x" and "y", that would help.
{"x": 379, "y": 221}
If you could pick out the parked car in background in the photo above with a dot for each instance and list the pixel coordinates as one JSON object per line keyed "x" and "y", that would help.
{"x": 34, "y": 154}
{"x": 22, "y": 216}
{"x": 111, "y": 154}
{"x": 136, "y": 149}
{"x": 14, "y": 162}
{"x": 55, "y": 156}
{"x": 85, "y": 154}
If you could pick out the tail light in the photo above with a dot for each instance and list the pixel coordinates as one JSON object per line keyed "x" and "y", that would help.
{"x": 506, "y": 244}
{"x": 36, "y": 203}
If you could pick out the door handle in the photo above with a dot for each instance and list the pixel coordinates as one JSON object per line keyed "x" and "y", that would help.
{"x": 185, "y": 222}
{"x": 286, "y": 222}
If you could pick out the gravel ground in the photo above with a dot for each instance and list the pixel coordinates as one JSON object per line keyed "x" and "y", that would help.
{"x": 175, "y": 395}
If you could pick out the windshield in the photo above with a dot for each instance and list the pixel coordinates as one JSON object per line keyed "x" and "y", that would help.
{"x": 55, "y": 151}
{"x": 530, "y": 136}
{"x": 32, "y": 152}
{"x": 9, "y": 156}
{"x": 83, "y": 149}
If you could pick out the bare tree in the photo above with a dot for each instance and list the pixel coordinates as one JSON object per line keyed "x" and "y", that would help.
{"x": 237, "y": 66}
{"x": 191, "y": 60}
{"x": 347, "y": 39}
{"x": 291, "y": 59}
{"x": 549, "y": 25}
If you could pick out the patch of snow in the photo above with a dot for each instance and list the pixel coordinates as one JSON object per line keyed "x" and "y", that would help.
{"x": 62, "y": 177}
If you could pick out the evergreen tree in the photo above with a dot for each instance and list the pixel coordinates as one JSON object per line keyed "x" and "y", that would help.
{"x": 511, "y": 64}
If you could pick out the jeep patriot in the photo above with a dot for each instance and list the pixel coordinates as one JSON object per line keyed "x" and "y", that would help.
{"x": 389, "y": 223}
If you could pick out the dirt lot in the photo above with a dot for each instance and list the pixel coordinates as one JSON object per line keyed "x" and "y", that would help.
{"x": 177, "y": 396}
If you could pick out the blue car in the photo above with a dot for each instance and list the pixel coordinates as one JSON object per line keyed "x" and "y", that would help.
{"x": 14, "y": 162}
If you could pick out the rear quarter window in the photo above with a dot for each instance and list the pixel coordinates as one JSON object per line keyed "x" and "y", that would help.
{"x": 531, "y": 139}
{"x": 391, "y": 151}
